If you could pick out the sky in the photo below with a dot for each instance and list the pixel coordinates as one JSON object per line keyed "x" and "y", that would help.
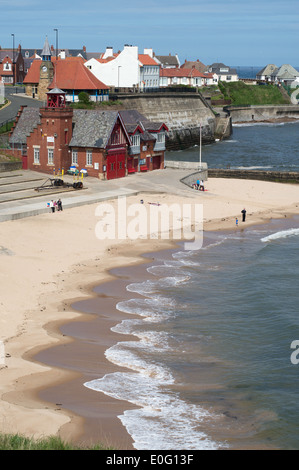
{"x": 235, "y": 32}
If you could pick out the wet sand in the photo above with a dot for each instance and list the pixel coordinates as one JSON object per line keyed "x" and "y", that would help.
{"x": 49, "y": 267}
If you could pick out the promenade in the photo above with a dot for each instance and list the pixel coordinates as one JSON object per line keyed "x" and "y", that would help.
{"x": 19, "y": 197}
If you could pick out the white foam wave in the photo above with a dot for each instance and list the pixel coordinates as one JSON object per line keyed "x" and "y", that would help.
{"x": 164, "y": 421}
{"x": 151, "y": 287}
{"x": 153, "y": 309}
{"x": 257, "y": 167}
{"x": 266, "y": 124}
{"x": 282, "y": 234}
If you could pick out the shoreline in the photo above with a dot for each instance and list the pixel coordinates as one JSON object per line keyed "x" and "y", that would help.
{"x": 40, "y": 315}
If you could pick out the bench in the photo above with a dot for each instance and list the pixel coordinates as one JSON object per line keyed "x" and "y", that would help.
{"x": 143, "y": 168}
{"x": 132, "y": 170}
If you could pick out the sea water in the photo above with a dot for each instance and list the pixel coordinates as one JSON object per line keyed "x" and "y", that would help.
{"x": 262, "y": 146}
{"x": 212, "y": 365}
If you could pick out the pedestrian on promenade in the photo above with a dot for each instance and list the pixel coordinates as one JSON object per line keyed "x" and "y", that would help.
{"x": 243, "y": 212}
{"x": 52, "y": 207}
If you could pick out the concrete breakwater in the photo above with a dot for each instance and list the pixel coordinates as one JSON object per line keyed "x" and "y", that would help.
{"x": 274, "y": 176}
{"x": 244, "y": 114}
{"x": 187, "y": 116}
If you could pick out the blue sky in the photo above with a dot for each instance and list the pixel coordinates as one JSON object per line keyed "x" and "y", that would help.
{"x": 236, "y": 32}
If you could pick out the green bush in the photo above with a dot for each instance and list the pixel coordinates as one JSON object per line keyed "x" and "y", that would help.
{"x": 83, "y": 97}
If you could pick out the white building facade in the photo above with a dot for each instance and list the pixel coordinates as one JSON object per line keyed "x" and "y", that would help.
{"x": 126, "y": 69}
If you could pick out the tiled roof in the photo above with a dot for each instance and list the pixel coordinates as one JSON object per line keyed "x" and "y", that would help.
{"x": 92, "y": 128}
{"x": 145, "y": 59}
{"x": 32, "y": 75}
{"x": 133, "y": 118}
{"x": 168, "y": 60}
{"x": 182, "y": 72}
{"x": 197, "y": 64}
{"x": 268, "y": 70}
{"x": 73, "y": 75}
{"x": 69, "y": 74}
{"x": 29, "y": 119}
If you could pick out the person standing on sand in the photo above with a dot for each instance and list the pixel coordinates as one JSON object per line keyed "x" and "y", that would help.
{"x": 243, "y": 212}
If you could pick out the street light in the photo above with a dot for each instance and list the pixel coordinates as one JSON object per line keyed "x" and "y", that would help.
{"x": 13, "y": 58}
{"x": 55, "y": 29}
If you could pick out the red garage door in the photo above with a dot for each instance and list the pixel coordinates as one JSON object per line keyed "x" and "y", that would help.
{"x": 156, "y": 162}
{"x": 116, "y": 166}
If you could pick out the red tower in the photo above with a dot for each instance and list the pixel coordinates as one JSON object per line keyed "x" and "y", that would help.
{"x": 48, "y": 143}
{"x": 56, "y": 98}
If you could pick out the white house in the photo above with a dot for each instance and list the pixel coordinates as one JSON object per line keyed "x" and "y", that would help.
{"x": 184, "y": 76}
{"x": 224, "y": 72}
{"x": 285, "y": 74}
{"x": 117, "y": 70}
{"x": 126, "y": 69}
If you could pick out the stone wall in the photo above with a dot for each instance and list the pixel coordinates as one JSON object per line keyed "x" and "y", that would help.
{"x": 262, "y": 113}
{"x": 10, "y": 166}
{"x": 183, "y": 113}
{"x": 275, "y": 176}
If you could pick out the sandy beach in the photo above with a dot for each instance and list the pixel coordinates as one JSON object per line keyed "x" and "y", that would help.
{"x": 52, "y": 262}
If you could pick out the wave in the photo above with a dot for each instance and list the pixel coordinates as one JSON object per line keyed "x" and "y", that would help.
{"x": 163, "y": 421}
{"x": 262, "y": 123}
{"x": 253, "y": 167}
{"x": 282, "y": 234}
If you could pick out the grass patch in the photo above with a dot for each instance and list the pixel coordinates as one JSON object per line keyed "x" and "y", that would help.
{"x": 242, "y": 94}
{"x": 18, "y": 442}
{"x": 6, "y": 127}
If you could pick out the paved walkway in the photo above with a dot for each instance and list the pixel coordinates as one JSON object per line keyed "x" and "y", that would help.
{"x": 19, "y": 197}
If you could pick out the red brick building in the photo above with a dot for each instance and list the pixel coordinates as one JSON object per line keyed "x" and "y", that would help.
{"x": 103, "y": 143}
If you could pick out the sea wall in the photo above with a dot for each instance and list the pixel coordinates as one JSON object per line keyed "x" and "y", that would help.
{"x": 187, "y": 116}
{"x": 240, "y": 114}
{"x": 276, "y": 176}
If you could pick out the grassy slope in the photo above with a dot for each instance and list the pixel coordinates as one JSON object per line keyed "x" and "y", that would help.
{"x": 242, "y": 94}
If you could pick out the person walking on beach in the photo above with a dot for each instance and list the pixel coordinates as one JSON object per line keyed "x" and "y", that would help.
{"x": 237, "y": 222}
{"x": 59, "y": 205}
{"x": 243, "y": 212}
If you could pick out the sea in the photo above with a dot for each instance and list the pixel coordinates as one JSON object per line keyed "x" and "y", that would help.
{"x": 215, "y": 363}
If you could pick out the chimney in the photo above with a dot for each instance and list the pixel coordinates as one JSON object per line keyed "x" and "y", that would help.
{"x": 84, "y": 48}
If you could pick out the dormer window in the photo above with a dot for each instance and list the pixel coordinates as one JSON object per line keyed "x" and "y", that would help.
{"x": 135, "y": 140}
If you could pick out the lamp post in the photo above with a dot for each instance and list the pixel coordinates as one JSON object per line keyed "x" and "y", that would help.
{"x": 200, "y": 147}
{"x": 55, "y": 29}
{"x": 13, "y": 58}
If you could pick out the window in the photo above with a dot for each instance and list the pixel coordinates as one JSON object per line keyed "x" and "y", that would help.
{"x": 75, "y": 157}
{"x": 88, "y": 157}
{"x": 50, "y": 156}
{"x": 161, "y": 137}
{"x": 36, "y": 156}
{"x": 135, "y": 140}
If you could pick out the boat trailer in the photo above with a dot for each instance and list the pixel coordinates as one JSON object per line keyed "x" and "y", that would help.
{"x": 59, "y": 183}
